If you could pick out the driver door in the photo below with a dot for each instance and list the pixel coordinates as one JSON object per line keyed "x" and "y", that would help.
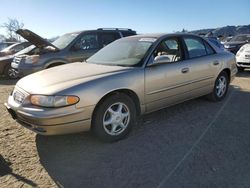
{"x": 166, "y": 83}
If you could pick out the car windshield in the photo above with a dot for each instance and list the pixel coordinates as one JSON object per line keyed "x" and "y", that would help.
{"x": 26, "y": 50}
{"x": 241, "y": 38}
{"x": 65, "y": 40}
{"x": 123, "y": 52}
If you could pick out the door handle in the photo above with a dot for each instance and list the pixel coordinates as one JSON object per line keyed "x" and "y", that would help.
{"x": 185, "y": 70}
{"x": 216, "y": 63}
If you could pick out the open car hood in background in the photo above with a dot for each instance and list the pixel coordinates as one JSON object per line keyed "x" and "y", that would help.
{"x": 34, "y": 38}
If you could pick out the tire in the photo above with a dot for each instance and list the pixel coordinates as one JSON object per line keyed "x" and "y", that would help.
{"x": 220, "y": 87}
{"x": 114, "y": 117}
{"x": 10, "y": 72}
{"x": 240, "y": 69}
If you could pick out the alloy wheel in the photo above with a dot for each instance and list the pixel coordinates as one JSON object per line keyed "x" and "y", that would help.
{"x": 116, "y": 118}
{"x": 12, "y": 73}
{"x": 221, "y": 86}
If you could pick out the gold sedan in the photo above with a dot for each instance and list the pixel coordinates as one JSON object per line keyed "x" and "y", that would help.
{"x": 127, "y": 78}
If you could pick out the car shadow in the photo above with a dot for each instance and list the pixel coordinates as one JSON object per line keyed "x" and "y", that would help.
{"x": 245, "y": 73}
{"x": 4, "y": 81}
{"x": 152, "y": 149}
{"x": 5, "y": 169}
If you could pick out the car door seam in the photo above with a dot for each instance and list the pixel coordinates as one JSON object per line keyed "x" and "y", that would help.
{"x": 179, "y": 85}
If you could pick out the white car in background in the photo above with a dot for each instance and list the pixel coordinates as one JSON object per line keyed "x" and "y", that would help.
{"x": 243, "y": 57}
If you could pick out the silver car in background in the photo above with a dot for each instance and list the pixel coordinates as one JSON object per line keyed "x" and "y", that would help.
{"x": 127, "y": 78}
{"x": 243, "y": 57}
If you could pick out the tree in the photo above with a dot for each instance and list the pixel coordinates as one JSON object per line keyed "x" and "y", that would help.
{"x": 11, "y": 26}
{"x": 2, "y": 38}
{"x": 184, "y": 30}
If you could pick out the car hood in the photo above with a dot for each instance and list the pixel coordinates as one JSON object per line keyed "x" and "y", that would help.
{"x": 34, "y": 38}
{"x": 56, "y": 79}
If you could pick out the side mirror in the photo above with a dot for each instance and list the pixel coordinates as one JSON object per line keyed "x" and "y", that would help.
{"x": 161, "y": 60}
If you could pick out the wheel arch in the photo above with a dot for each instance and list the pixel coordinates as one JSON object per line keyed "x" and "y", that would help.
{"x": 228, "y": 71}
{"x": 55, "y": 62}
{"x": 127, "y": 92}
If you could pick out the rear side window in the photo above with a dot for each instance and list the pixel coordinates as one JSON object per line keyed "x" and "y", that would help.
{"x": 195, "y": 47}
{"x": 209, "y": 49}
{"x": 127, "y": 33}
{"x": 107, "y": 38}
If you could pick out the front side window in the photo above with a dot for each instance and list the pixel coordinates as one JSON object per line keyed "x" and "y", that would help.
{"x": 87, "y": 42}
{"x": 170, "y": 49}
{"x": 65, "y": 40}
{"x": 195, "y": 47}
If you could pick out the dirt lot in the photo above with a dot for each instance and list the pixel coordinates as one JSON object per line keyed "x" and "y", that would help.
{"x": 194, "y": 144}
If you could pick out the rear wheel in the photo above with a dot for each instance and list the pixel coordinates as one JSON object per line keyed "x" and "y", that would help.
{"x": 10, "y": 72}
{"x": 220, "y": 87}
{"x": 114, "y": 117}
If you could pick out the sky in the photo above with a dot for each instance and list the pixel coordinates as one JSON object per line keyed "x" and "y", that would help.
{"x": 50, "y": 18}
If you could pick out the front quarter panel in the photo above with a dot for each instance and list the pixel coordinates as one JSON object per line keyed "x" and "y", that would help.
{"x": 91, "y": 92}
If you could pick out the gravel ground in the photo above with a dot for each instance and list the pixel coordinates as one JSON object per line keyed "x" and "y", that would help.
{"x": 194, "y": 144}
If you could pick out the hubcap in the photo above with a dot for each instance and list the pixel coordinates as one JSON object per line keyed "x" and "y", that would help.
{"x": 116, "y": 119}
{"x": 221, "y": 86}
{"x": 12, "y": 73}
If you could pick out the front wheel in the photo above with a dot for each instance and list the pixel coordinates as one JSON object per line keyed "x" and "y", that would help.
{"x": 10, "y": 72}
{"x": 220, "y": 87}
{"x": 114, "y": 117}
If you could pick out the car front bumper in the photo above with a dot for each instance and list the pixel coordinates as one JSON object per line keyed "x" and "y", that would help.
{"x": 243, "y": 61}
{"x": 51, "y": 121}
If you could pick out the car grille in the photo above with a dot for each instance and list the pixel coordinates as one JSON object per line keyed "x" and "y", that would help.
{"x": 17, "y": 60}
{"x": 247, "y": 56}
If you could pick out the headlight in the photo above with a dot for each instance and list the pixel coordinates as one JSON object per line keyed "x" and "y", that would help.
{"x": 53, "y": 101}
{"x": 32, "y": 59}
{"x": 230, "y": 46}
{"x": 242, "y": 49}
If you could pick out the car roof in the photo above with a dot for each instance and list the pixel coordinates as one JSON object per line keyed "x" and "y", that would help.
{"x": 159, "y": 35}
{"x": 102, "y": 29}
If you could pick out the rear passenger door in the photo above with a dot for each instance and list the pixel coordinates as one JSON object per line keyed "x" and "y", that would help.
{"x": 106, "y": 38}
{"x": 85, "y": 46}
{"x": 203, "y": 64}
